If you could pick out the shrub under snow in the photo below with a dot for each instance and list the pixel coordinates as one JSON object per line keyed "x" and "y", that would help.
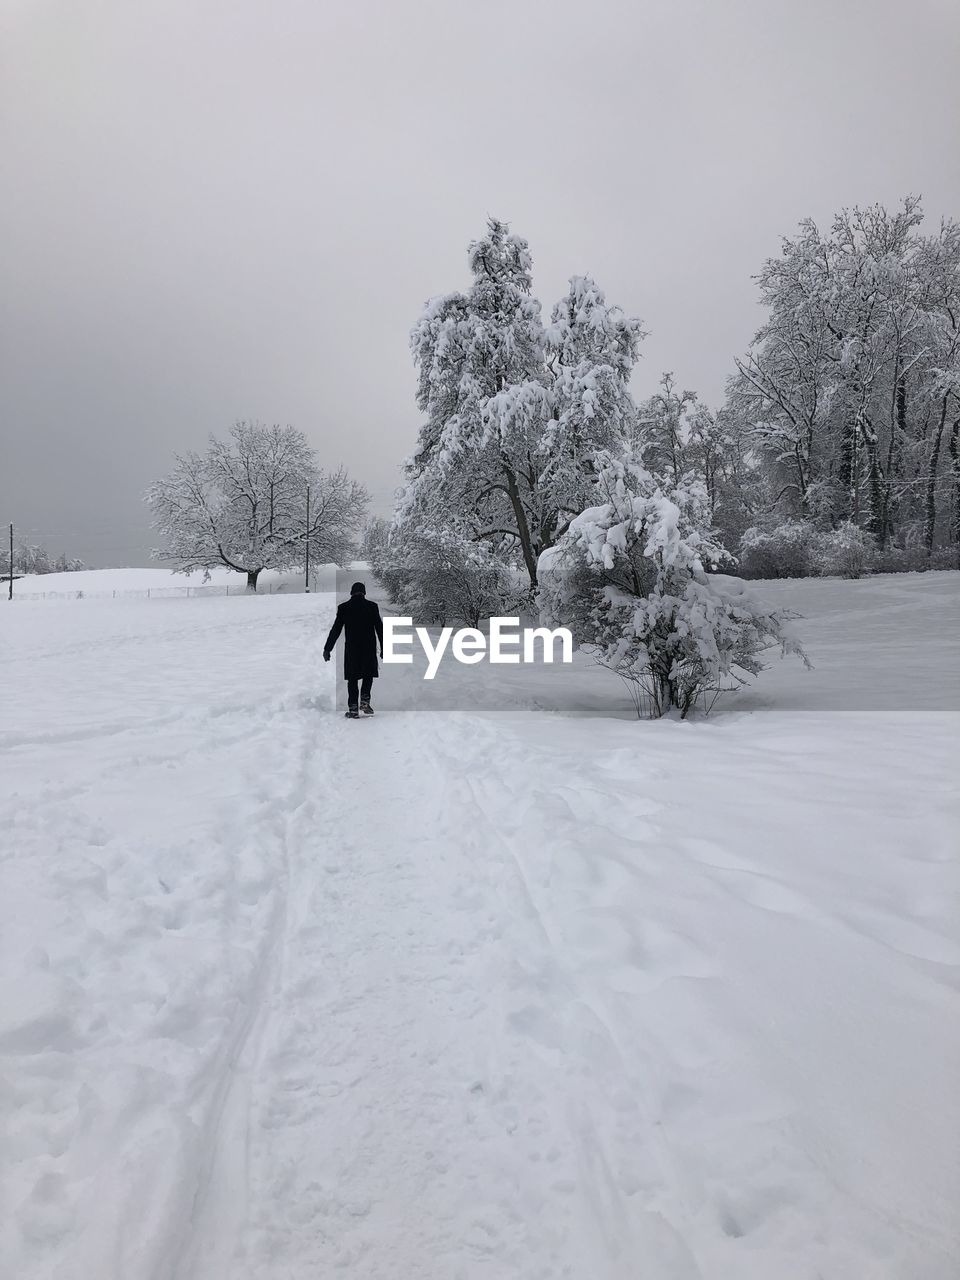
{"x": 441, "y": 576}
{"x": 629, "y": 578}
{"x": 797, "y": 549}
{"x": 786, "y": 551}
{"x": 844, "y": 552}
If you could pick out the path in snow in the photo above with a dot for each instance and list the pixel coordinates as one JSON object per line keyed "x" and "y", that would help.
{"x": 439, "y": 1097}
{"x": 461, "y": 993}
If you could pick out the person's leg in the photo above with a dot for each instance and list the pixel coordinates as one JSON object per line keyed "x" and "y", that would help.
{"x": 352, "y": 693}
{"x": 366, "y": 688}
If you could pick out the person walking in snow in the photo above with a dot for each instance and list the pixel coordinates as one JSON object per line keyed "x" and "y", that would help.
{"x": 359, "y": 619}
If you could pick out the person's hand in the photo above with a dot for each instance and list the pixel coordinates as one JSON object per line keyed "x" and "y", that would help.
{"x": 326, "y": 656}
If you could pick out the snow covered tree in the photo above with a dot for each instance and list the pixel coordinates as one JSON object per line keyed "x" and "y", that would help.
{"x": 629, "y": 577}
{"x": 938, "y": 267}
{"x": 953, "y": 446}
{"x": 848, "y": 385}
{"x": 473, "y": 349}
{"x": 243, "y": 504}
{"x": 592, "y": 349}
{"x": 679, "y": 437}
{"x": 513, "y": 411}
{"x": 35, "y": 558}
{"x": 66, "y": 564}
{"x": 666, "y": 429}
{"x": 374, "y": 540}
{"x": 32, "y": 558}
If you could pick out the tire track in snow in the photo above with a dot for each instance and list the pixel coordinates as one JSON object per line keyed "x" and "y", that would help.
{"x": 218, "y": 1209}
{"x": 341, "y": 1141}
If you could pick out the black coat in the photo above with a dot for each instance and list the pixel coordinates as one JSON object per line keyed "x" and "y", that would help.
{"x": 359, "y": 619}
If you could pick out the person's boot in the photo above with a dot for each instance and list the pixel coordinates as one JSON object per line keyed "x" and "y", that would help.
{"x": 352, "y": 713}
{"x": 366, "y": 708}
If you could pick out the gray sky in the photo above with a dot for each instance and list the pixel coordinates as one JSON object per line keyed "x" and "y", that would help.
{"x": 215, "y": 209}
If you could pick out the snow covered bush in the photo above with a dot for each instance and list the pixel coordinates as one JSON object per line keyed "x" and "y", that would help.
{"x": 797, "y": 549}
{"x": 629, "y": 577}
{"x": 441, "y": 576}
{"x": 844, "y": 552}
{"x": 786, "y": 551}
{"x": 914, "y": 559}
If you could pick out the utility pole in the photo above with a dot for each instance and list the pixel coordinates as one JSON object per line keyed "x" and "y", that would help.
{"x": 10, "y": 589}
{"x": 306, "y": 576}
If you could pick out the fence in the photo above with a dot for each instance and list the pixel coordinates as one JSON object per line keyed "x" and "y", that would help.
{"x": 157, "y": 593}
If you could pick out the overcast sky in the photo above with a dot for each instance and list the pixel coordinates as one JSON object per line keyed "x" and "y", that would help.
{"x": 215, "y": 210}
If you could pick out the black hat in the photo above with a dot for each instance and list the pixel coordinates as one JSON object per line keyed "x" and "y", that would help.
{"x": 358, "y": 589}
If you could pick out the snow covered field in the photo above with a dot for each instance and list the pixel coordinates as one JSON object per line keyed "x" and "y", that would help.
{"x": 99, "y": 584}
{"x": 501, "y": 984}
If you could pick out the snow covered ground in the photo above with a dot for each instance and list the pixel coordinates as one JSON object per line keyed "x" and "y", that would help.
{"x": 502, "y": 983}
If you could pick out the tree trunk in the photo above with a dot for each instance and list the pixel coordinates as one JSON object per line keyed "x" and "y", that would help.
{"x": 523, "y": 528}
{"x": 930, "y": 519}
{"x": 901, "y": 416}
{"x": 848, "y": 467}
{"x": 252, "y": 576}
{"x": 877, "y": 490}
{"x": 801, "y": 480}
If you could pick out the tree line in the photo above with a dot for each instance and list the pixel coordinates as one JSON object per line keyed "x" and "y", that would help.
{"x": 33, "y": 557}
{"x": 846, "y": 406}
